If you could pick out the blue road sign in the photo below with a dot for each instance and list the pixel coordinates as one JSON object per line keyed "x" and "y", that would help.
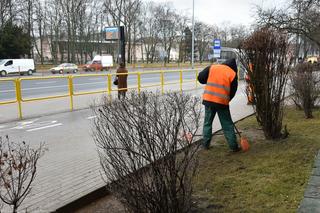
{"x": 216, "y": 48}
{"x": 216, "y": 44}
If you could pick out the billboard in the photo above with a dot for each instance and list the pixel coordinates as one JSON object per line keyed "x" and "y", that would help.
{"x": 111, "y": 33}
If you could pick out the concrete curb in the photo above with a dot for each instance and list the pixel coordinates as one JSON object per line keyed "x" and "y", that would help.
{"x": 311, "y": 200}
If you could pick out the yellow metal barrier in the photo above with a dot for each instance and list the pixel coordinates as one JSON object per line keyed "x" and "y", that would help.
{"x": 128, "y": 74}
{"x": 162, "y": 82}
{"x": 107, "y": 90}
{"x": 19, "y": 99}
{"x": 139, "y": 83}
{"x": 15, "y": 85}
{"x": 42, "y": 98}
{"x": 70, "y": 84}
{"x": 151, "y": 85}
{"x": 197, "y": 75}
{"x": 172, "y": 82}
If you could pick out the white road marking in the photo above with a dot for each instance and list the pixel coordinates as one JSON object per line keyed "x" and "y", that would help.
{"x": 30, "y": 124}
{"x": 7, "y": 90}
{"x": 1, "y": 127}
{"x": 91, "y": 117}
{"x": 44, "y": 127}
{"x": 27, "y": 122}
{"x": 47, "y": 82}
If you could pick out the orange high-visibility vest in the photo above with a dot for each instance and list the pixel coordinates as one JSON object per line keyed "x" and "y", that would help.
{"x": 218, "y": 85}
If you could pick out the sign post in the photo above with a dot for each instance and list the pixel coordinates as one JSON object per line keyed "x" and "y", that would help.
{"x": 216, "y": 48}
{"x": 117, "y": 34}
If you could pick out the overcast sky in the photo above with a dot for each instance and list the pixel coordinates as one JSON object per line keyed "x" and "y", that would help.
{"x": 220, "y": 11}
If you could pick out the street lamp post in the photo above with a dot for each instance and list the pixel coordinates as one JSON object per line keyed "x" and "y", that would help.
{"x": 192, "y": 54}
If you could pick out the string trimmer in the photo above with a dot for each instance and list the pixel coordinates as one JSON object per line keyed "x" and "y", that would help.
{"x": 243, "y": 141}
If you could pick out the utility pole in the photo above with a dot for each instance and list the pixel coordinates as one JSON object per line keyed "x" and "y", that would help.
{"x": 192, "y": 55}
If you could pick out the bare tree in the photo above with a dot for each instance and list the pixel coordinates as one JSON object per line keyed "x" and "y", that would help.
{"x": 126, "y": 13}
{"x": 40, "y": 24}
{"x": 55, "y": 27}
{"x": 300, "y": 18}
{"x": 204, "y": 35}
{"x": 237, "y": 34}
{"x": 184, "y": 40}
{"x": 70, "y": 11}
{"x": 265, "y": 56}
{"x": 305, "y": 82}
{"x": 12, "y": 11}
{"x": 166, "y": 19}
{"x": 3, "y": 12}
{"x": 149, "y": 31}
{"x": 18, "y": 167}
{"x": 146, "y": 151}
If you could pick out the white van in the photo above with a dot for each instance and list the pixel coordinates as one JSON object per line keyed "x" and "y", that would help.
{"x": 106, "y": 60}
{"x": 21, "y": 66}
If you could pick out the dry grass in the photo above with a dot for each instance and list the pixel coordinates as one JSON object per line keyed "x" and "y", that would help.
{"x": 271, "y": 177}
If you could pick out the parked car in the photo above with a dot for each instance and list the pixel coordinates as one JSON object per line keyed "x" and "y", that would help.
{"x": 20, "y": 66}
{"x": 99, "y": 62}
{"x": 93, "y": 66}
{"x": 312, "y": 59}
{"x": 64, "y": 68}
{"x": 105, "y": 60}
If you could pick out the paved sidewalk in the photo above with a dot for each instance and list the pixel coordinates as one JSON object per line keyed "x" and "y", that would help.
{"x": 71, "y": 168}
{"x": 311, "y": 200}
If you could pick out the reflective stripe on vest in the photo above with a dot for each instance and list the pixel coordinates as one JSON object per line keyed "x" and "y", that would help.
{"x": 218, "y": 85}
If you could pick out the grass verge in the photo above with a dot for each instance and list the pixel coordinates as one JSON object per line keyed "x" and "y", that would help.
{"x": 270, "y": 177}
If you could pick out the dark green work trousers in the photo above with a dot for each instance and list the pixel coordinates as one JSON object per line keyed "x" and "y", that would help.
{"x": 226, "y": 123}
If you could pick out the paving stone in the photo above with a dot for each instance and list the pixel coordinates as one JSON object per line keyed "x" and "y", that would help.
{"x": 312, "y": 192}
{"x": 317, "y": 162}
{"x": 311, "y": 201}
{"x": 309, "y": 205}
{"x": 314, "y": 181}
{"x": 316, "y": 171}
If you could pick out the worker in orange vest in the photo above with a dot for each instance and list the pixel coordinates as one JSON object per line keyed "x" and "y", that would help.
{"x": 221, "y": 86}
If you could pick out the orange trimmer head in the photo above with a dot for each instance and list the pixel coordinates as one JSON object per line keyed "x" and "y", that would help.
{"x": 243, "y": 141}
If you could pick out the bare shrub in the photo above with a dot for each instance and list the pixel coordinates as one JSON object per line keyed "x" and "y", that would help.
{"x": 305, "y": 82}
{"x": 265, "y": 52}
{"x": 18, "y": 166}
{"x": 146, "y": 151}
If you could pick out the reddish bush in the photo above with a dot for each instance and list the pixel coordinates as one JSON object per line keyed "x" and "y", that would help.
{"x": 265, "y": 54}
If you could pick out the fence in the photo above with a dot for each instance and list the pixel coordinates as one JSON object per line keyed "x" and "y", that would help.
{"x": 19, "y": 98}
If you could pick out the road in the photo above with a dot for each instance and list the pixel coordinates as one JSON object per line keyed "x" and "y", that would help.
{"x": 81, "y": 83}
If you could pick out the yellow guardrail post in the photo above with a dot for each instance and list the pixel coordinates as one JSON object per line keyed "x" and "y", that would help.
{"x": 109, "y": 86}
{"x": 70, "y": 80}
{"x": 18, "y": 94}
{"x": 162, "y": 82}
{"x": 139, "y": 82}
{"x": 181, "y": 81}
{"x": 197, "y": 74}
